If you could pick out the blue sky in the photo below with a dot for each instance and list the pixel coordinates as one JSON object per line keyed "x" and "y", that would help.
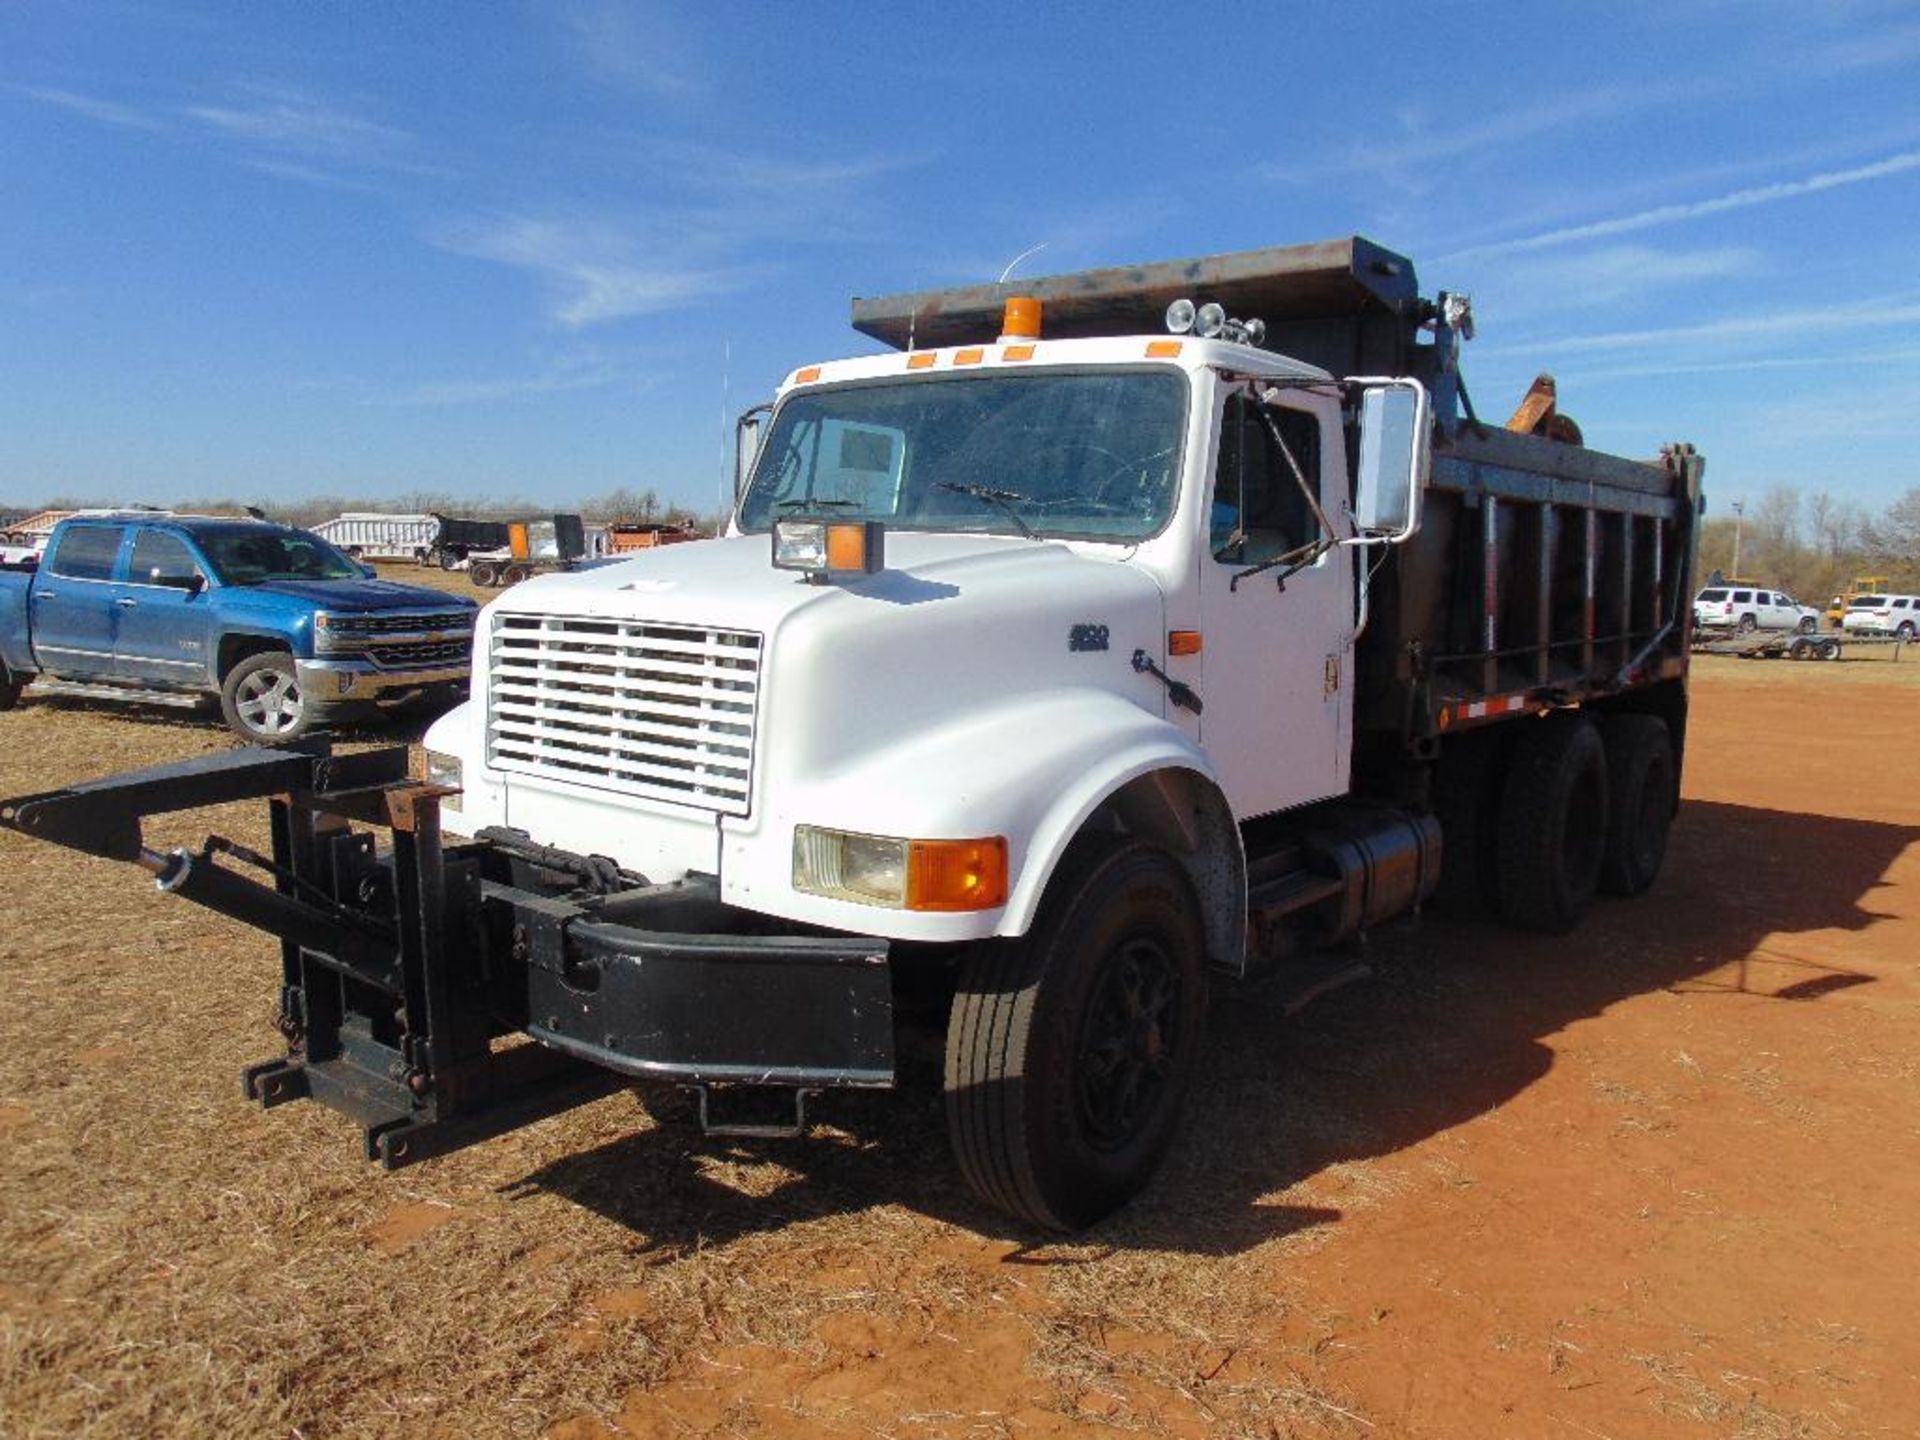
{"x": 545, "y": 249}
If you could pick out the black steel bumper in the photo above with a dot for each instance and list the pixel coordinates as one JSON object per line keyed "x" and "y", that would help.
{"x": 408, "y": 970}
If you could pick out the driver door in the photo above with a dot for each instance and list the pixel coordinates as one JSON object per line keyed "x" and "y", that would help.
{"x": 1275, "y": 661}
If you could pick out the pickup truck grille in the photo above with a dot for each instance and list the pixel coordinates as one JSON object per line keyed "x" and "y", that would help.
{"x": 404, "y": 624}
{"x": 419, "y": 655}
{"x": 660, "y": 711}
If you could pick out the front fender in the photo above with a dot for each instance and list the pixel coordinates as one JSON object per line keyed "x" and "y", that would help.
{"x": 1033, "y": 769}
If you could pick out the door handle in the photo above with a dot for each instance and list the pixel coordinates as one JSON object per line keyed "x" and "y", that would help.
{"x": 126, "y": 602}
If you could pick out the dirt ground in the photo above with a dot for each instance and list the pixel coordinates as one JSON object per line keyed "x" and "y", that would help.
{"x": 1661, "y": 1179}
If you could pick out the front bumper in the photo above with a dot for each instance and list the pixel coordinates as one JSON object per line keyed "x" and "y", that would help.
{"x": 401, "y": 969}
{"x": 343, "y": 679}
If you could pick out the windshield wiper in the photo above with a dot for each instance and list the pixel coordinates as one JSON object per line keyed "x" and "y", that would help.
{"x": 1005, "y": 499}
{"x": 1295, "y": 561}
{"x": 815, "y": 502}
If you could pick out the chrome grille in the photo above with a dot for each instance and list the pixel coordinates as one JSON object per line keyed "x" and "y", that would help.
{"x": 661, "y": 711}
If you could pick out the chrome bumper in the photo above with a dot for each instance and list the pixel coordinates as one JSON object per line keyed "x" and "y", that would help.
{"x": 333, "y": 680}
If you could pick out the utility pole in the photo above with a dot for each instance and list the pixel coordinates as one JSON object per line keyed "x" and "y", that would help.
{"x": 1739, "y": 523}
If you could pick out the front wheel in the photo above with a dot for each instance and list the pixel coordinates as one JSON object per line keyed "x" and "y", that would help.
{"x": 1070, "y": 1052}
{"x": 262, "y": 700}
{"x": 1808, "y": 624}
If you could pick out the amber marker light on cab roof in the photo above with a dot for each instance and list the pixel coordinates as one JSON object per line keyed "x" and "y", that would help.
{"x": 1021, "y": 319}
{"x": 1162, "y": 349}
{"x": 923, "y": 361}
{"x": 1017, "y": 352}
{"x": 806, "y": 376}
{"x": 956, "y": 874}
{"x": 969, "y": 357}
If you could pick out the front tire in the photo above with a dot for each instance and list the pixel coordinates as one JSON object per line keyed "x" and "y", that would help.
{"x": 1070, "y": 1052}
{"x": 262, "y": 700}
{"x": 1553, "y": 824}
{"x": 1808, "y": 625}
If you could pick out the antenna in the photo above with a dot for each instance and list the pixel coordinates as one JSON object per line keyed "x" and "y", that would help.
{"x": 726, "y": 381}
{"x": 1007, "y": 273}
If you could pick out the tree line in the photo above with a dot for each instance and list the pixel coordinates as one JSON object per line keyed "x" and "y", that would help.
{"x": 1813, "y": 545}
{"x": 645, "y": 506}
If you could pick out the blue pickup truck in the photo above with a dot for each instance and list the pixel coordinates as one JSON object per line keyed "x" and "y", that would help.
{"x": 174, "y": 609}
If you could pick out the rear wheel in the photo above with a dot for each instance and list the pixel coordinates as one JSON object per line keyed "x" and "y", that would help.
{"x": 484, "y": 574}
{"x": 1466, "y": 798}
{"x": 1905, "y": 630}
{"x": 1553, "y": 824}
{"x": 514, "y": 574}
{"x": 262, "y": 700}
{"x": 10, "y": 687}
{"x": 1070, "y": 1052}
{"x": 1640, "y": 801}
{"x": 1808, "y": 624}
{"x": 1746, "y": 626}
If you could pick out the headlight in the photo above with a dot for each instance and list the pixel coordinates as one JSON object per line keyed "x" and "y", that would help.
{"x": 440, "y": 769}
{"x": 826, "y": 548}
{"x": 900, "y": 874}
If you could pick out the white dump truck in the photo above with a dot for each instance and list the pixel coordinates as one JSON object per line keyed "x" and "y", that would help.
{"x": 1112, "y": 636}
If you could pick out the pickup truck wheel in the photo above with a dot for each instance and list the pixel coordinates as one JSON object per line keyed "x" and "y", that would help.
{"x": 10, "y": 688}
{"x": 261, "y": 700}
{"x": 1070, "y": 1052}
{"x": 1553, "y": 824}
{"x": 1808, "y": 625}
{"x": 1640, "y": 799}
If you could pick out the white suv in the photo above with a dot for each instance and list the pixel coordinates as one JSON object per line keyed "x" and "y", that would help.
{"x": 1744, "y": 609}
{"x": 1883, "y": 615}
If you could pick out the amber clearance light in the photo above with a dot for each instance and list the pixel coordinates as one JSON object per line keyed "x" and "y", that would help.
{"x": 1021, "y": 320}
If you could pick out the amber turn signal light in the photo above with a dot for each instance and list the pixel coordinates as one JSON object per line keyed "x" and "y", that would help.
{"x": 957, "y": 874}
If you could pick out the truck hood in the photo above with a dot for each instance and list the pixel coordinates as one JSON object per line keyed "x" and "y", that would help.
{"x": 731, "y": 584}
{"x": 354, "y": 596}
{"x": 955, "y": 626}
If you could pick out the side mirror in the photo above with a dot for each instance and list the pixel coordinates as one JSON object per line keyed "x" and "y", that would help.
{"x": 367, "y": 572}
{"x": 746, "y": 445}
{"x": 1395, "y": 427}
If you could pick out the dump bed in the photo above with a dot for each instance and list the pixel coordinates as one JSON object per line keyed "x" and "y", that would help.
{"x": 1543, "y": 572}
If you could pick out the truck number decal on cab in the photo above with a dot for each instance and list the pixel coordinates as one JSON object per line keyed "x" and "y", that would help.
{"x": 1087, "y": 637}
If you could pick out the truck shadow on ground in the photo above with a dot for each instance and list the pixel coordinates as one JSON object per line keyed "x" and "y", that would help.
{"x": 1452, "y": 1025}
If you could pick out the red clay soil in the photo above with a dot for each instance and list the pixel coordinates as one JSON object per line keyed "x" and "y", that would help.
{"x": 1659, "y": 1179}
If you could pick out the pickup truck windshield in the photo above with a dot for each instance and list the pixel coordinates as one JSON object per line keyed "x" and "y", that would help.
{"x": 1082, "y": 454}
{"x": 241, "y": 557}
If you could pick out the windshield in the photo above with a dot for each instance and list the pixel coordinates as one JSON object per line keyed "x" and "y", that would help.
{"x": 244, "y": 557}
{"x": 1085, "y": 454}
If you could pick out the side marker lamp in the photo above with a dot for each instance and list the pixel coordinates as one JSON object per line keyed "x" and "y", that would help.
{"x": 823, "y": 549}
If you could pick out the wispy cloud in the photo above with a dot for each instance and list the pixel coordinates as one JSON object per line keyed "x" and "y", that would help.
{"x": 107, "y": 112}
{"x": 293, "y": 126}
{"x": 1610, "y": 275}
{"x": 1424, "y": 147}
{"x": 635, "y": 44}
{"x": 1874, "y": 313}
{"x": 1695, "y": 209}
{"x": 1850, "y": 360}
{"x": 593, "y": 271}
{"x": 504, "y": 388}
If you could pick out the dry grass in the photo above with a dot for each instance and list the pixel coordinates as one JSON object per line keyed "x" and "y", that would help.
{"x": 174, "y": 1262}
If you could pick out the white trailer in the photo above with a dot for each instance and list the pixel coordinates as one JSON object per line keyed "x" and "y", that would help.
{"x": 374, "y": 535}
